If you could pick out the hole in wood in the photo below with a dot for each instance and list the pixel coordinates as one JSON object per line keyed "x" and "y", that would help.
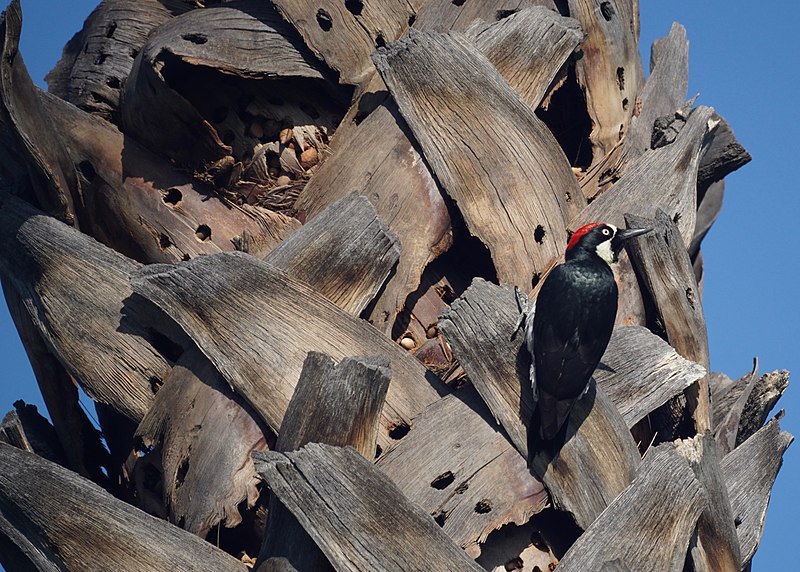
{"x": 690, "y": 298}
{"x": 324, "y": 20}
{"x": 181, "y": 474}
{"x": 380, "y": 41}
{"x": 399, "y": 431}
{"x": 502, "y": 14}
{"x": 625, "y": 104}
{"x": 87, "y": 170}
{"x": 443, "y": 481}
{"x": 133, "y": 53}
{"x": 195, "y": 38}
{"x": 535, "y": 279}
{"x": 378, "y": 451}
{"x": 203, "y": 233}
{"x": 737, "y": 521}
{"x": 355, "y": 7}
{"x": 439, "y": 517}
{"x": 110, "y": 29}
{"x": 141, "y": 449}
{"x": 621, "y": 78}
{"x": 515, "y": 563}
{"x": 163, "y": 241}
{"x": 173, "y": 197}
{"x": 483, "y": 506}
{"x": 412, "y": 19}
{"x": 113, "y": 82}
{"x": 101, "y": 58}
{"x": 607, "y": 10}
{"x": 155, "y": 384}
{"x": 538, "y": 234}
{"x": 458, "y": 2}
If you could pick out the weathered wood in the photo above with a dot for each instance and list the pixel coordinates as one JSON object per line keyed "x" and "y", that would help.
{"x": 58, "y": 520}
{"x": 74, "y": 290}
{"x": 716, "y": 546}
{"x": 465, "y": 117}
{"x": 447, "y": 16}
{"x": 344, "y": 34}
{"x": 174, "y": 115}
{"x": 528, "y": 48}
{"x": 345, "y": 254}
{"x": 664, "y": 268}
{"x": 723, "y": 155}
{"x": 376, "y": 527}
{"x": 253, "y": 322}
{"x": 649, "y": 525}
{"x": 52, "y": 176}
{"x": 199, "y": 437}
{"x": 98, "y": 59}
{"x": 147, "y": 209}
{"x": 610, "y": 71}
{"x": 749, "y": 472}
{"x": 26, "y": 429}
{"x": 663, "y": 178}
{"x": 707, "y": 212}
{"x": 337, "y": 405}
{"x": 461, "y": 469}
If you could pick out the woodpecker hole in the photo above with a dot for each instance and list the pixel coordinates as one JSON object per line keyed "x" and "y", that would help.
{"x": 110, "y": 29}
{"x": 133, "y": 53}
{"x": 324, "y": 20}
{"x": 439, "y": 517}
{"x": 568, "y": 197}
{"x": 155, "y": 384}
{"x": 113, "y": 82}
{"x": 355, "y": 7}
{"x": 484, "y": 506}
{"x": 181, "y": 474}
{"x": 195, "y": 38}
{"x": 462, "y": 488}
{"x": 737, "y": 521}
{"x": 501, "y": 14}
{"x": 458, "y": 2}
{"x": 607, "y": 10}
{"x": 625, "y": 104}
{"x": 203, "y": 233}
{"x": 186, "y": 257}
{"x": 87, "y": 170}
{"x": 538, "y": 234}
{"x": 535, "y": 280}
{"x": 172, "y": 197}
{"x": 163, "y": 241}
{"x": 443, "y": 481}
{"x": 690, "y": 297}
{"x": 380, "y": 41}
{"x": 101, "y": 58}
{"x": 399, "y": 431}
{"x": 412, "y": 19}
{"x": 621, "y": 78}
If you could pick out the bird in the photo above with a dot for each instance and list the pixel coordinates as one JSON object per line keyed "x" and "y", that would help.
{"x": 572, "y": 324}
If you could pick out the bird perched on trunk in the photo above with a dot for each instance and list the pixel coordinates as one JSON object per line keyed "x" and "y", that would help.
{"x": 575, "y": 312}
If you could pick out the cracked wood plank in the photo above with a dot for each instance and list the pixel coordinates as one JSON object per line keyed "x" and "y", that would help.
{"x": 448, "y": 16}
{"x": 465, "y": 118}
{"x": 57, "y": 520}
{"x": 253, "y": 322}
{"x": 376, "y": 527}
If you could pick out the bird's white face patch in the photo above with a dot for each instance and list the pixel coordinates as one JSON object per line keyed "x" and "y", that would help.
{"x": 604, "y": 248}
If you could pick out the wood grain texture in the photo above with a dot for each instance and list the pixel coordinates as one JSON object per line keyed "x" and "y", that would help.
{"x": 610, "y": 71}
{"x": 345, "y": 254}
{"x": 722, "y": 156}
{"x": 643, "y": 530}
{"x": 58, "y": 519}
{"x": 663, "y": 178}
{"x": 52, "y": 177}
{"x": 255, "y": 325}
{"x": 336, "y": 404}
{"x": 487, "y": 148}
{"x": 198, "y": 436}
{"x": 448, "y": 16}
{"x": 528, "y": 48}
{"x": 376, "y": 527}
{"x": 461, "y": 469}
{"x": 344, "y": 35}
{"x": 749, "y": 472}
{"x": 75, "y": 291}
{"x": 98, "y": 59}
{"x": 664, "y": 269}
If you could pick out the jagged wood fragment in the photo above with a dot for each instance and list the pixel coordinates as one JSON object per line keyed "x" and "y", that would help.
{"x": 722, "y": 156}
{"x": 58, "y": 519}
{"x": 528, "y": 48}
{"x": 199, "y": 436}
{"x": 376, "y": 527}
{"x": 663, "y": 178}
{"x": 253, "y": 322}
{"x": 346, "y": 253}
{"x": 643, "y": 530}
{"x": 77, "y": 293}
{"x": 663, "y": 266}
{"x": 52, "y": 176}
{"x": 465, "y": 117}
{"x": 461, "y": 469}
{"x": 716, "y": 546}
{"x": 749, "y": 472}
{"x": 610, "y": 71}
{"x": 446, "y": 15}
{"x": 336, "y": 404}
{"x": 344, "y": 34}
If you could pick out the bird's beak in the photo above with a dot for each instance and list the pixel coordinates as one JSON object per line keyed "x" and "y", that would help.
{"x": 627, "y": 234}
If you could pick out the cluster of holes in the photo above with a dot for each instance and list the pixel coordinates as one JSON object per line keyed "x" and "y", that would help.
{"x": 538, "y": 234}
{"x": 443, "y": 481}
{"x": 324, "y": 20}
{"x": 203, "y": 233}
{"x": 195, "y": 38}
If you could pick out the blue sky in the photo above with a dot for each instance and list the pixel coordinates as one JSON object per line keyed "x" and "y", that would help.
{"x": 740, "y": 62}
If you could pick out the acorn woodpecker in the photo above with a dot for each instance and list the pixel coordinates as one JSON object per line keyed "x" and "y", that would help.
{"x": 575, "y": 312}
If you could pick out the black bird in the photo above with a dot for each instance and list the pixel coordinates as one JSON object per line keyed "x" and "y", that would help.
{"x": 575, "y": 312}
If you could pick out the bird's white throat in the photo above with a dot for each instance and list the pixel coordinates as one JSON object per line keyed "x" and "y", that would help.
{"x": 604, "y": 251}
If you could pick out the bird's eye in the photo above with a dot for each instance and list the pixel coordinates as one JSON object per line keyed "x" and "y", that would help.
{"x": 606, "y": 232}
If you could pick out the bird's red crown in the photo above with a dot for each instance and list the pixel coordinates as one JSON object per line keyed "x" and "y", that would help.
{"x": 576, "y": 236}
